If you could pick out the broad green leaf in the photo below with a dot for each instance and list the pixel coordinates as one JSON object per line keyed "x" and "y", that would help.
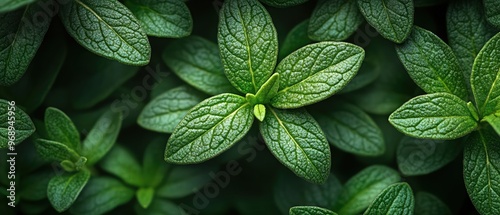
{"x": 393, "y": 19}
{"x": 423, "y": 156}
{"x": 283, "y": 3}
{"x": 165, "y": 111}
{"x": 197, "y": 61}
{"x": 334, "y": 20}
{"x": 428, "y": 204}
{"x": 295, "y": 39}
{"x": 482, "y": 170}
{"x": 310, "y": 210}
{"x": 432, "y": 64}
{"x": 494, "y": 121}
{"x": 20, "y": 37}
{"x": 209, "y": 128}
{"x": 145, "y": 196}
{"x": 323, "y": 195}
{"x": 9, "y": 5}
{"x": 182, "y": 181}
{"x": 467, "y": 30}
{"x": 485, "y": 77}
{"x": 361, "y": 189}
{"x": 153, "y": 164}
{"x": 121, "y": 163}
{"x": 395, "y": 199}
{"x": 351, "y": 129}
{"x": 163, "y": 18}
{"x": 101, "y": 195}
{"x": 492, "y": 9}
{"x": 55, "y": 151}
{"x": 61, "y": 129}
{"x": 108, "y": 29}
{"x": 18, "y": 121}
{"x": 248, "y": 44}
{"x": 434, "y": 116}
{"x": 63, "y": 189}
{"x": 296, "y": 140}
{"x": 315, "y": 72}
{"x": 266, "y": 92}
{"x": 102, "y": 136}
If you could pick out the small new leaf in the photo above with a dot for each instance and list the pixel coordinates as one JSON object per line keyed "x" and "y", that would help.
{"x": 259, "y": 111}
{"x": 395, "y": 199}
{"x": 494, "y": 121}
{"x": 145, "y": 196}
{"x": 315, "y": 72}
{"x": 63, "y": 189}
{"x": 434, "y": 116}
{"x": 334, "y": 20}
{"x": 310, "y": 210}
{"x": 266, "y": 92}
{"x": 209, "y": 128}
{"x": 61, "y": 129}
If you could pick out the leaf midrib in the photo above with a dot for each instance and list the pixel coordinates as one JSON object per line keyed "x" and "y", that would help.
{"x": 487, "y": 99}
{"x": 247, "y": 46}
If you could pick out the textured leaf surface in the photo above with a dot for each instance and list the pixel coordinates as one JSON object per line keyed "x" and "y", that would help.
{"x": 428, "y": 204}
{"x": 19, "y": 41}
{"x": 315, "y": 72}
{"x": 23, "y": 125}
{"x": 197, "y": 61}
{"x": 248, "y": 44}
{"x": 55, "y": 151}
{"x": 360, "y": 190}
{"x": 209, "y": 128}
{"x": 482, "y": 170}
{"x": 121, "y": 163}
{"x": 102, "y": 136}
{"x": 492, "y": 8}
{"x": 351, "y": 129}
{"x": 296, "y": 139}
{"x": 163, "y": 18}
{"x": 283, "y": 3}
{"x": 334, "y": 20}
{"x": 9, "y": 5}
{"x": 101, "y": 195}
{"x": 310, "y": 210}
{"x": 61, "y": 129}
{"x": 423, "y": 156}
{"x": 107, "y": 28}
{"x": 393, "y": 19}
{"x": 434, "y": 116}
{"x": 494, "y": 121}
{"x": 485, "y": 77}
{"x": 63, "y": 189}
{"x": 395, "y": 199}
{"x": 295, "y": 39}
{"x": 165, "y": 111}
{"x": 468, "y": 31}
{"x": 432, "y": 64}
{"x": 266, "y": 92}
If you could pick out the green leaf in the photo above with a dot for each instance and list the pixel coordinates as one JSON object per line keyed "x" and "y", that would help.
{"x": 165, "y": 111}
{"x": 492, "y": 9}
{"x": 393, "y": 19}
{"x": 266, "y": 92}
{"x": 360, "y": 190}
{"x": 368, "y": 73}
{"x": 145, "y": 196}
{"x": 153, "y": 165}
{"x": 61, "y": 129}
{"x": 248, "y": 44}
{"x": 434, "y": 116}
{"x": 295, "y": 39}
{"x": 432, "y": 64}
{"x": 101, "y": 195}
{"x": 296, "y": 140}
{"x": 99, "y": 27}
{"x": 9, "y": 5}
{"x": 494, "y": 121}
{"x": 164, "y": 18}
{"x": 395, "y": 199}
{"x": 485, "y": 77}
{"x": 315, "y": 72}
{"x": 182, "y": 181}
{"x": 55, "y": 151}
{"x": 63, "y": 189}
{"x": 351, "y": 129}
{"x": 19, "y": 41}
{"x": 102, "y": 136}
{"x": 334, "y": 20}
{"x": 34, "y": 186}
{"x": 259, "y": 111}
{"x": 19, "y": 120}
{"x": 197, "y": 61}
{"x": 121, "y": 163}
{"x": 482, "y": 170}
{"x": 310, "y": 210}
{"x": 323, "y": 195}
{"x": 467, "y": 30}
{"x": 283, "y": 3}
{"x": 209, "y": 128}
{"x": 428, "y": 204}
{"x": 423, "y": 156}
